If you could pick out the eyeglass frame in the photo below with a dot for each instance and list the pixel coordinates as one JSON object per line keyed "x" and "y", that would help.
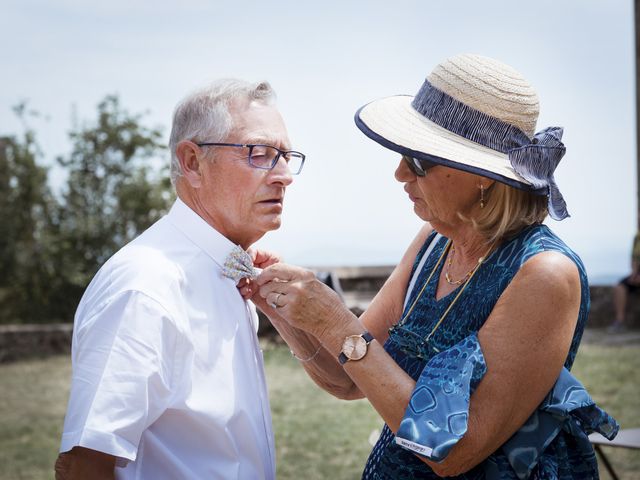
{"x": 418, "y": 166}
{"x": 251, "y": 146}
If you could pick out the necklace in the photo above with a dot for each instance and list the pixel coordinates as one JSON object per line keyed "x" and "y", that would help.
{"x": 469, "y": 273}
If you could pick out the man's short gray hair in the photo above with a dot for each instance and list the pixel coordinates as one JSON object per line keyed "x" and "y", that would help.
{"x": 204, "y": 114}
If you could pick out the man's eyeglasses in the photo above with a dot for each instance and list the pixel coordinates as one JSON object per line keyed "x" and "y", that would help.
{"x": 418, "y": 166}
{"x": 265, "y": 156}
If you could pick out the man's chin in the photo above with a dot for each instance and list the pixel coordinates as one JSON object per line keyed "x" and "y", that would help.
{"x": 275, "y": 224}
{"x": 270, "y": 223}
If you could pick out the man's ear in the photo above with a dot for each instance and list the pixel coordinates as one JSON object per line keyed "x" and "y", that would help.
{"x": 189, "y": 156}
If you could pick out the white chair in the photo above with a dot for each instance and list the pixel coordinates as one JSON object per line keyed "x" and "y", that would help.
{"x": 627, "y": 438}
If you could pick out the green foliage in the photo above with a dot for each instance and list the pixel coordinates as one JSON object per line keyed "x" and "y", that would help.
{"x": 27, "y": 210}
{"x": 112, "y": 192}
{"x": 50, "y": 248}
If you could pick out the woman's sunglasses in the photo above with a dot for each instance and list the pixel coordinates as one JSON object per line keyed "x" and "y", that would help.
{"x": 418, "y": 166}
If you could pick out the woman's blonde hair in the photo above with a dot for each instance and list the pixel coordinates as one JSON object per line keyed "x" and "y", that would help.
{"x": 507, "y": 211}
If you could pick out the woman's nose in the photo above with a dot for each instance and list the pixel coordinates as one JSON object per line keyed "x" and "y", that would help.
{"x": 403, "y": 173}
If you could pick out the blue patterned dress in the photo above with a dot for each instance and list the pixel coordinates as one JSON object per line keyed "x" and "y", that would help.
{"x": 563, "y": 458}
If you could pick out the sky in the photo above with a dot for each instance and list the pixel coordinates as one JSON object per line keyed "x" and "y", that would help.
{"x": 325, "y": 60}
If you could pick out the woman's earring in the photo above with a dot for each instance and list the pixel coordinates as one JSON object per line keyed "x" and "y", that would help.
{"x": 481, "y": 196}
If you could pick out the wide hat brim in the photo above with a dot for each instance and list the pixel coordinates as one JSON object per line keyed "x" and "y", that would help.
{"x": 395, "y": 124}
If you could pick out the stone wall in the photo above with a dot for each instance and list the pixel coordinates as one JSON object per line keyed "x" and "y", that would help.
{"x": 602, "y": 313}
{"x": 19, "y": 342}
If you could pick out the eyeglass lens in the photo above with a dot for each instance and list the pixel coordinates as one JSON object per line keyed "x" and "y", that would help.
{"x": 263, "y": 156}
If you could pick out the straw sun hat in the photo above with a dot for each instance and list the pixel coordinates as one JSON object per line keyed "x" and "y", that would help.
{"x": 475, "y": 114}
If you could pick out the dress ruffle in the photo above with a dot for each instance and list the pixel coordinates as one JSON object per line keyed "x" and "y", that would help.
{"x": 437, "y": 414}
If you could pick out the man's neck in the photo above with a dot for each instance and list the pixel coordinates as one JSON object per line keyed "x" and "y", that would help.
{"x": 193, "y": 202}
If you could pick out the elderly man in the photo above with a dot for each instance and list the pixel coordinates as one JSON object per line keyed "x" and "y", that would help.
{"x": 168, "y": 378}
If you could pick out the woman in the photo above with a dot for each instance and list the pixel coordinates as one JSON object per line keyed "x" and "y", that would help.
{"x": 462, "y": 351}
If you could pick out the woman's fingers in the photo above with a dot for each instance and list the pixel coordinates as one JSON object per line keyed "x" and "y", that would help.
{"x": 263, "y": 258}
{"x": 276, "y": 299}
{"x": 247, "y": 288}
{"x": 281, "y": 272}
{"x": 276, "y": 282}
{"x": 274, "y": 287}
{"x": 297, "y": 297}
{"x": 263, "y": 305}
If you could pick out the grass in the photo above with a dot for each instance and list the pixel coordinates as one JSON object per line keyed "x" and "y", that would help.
{"x": 610, "y": 374}
{"x": 317, "y": 436}
{"x": 33, "y": 399}
{"x": 315, "y": 433}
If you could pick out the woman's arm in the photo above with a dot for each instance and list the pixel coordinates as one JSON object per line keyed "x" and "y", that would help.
{"x": 384, "y": 311}
{"x": 525, "y": 342}
{"x": 323, "y": 369}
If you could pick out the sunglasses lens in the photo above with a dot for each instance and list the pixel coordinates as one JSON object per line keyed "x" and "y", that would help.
{"x": 418, "y": 167}
{"x": 415, "y": 168}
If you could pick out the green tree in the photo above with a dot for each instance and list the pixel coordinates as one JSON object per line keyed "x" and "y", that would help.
{"x": 113, "y": 191}
{"x": 117, "y": 185}
{"x": 27, "y": 210}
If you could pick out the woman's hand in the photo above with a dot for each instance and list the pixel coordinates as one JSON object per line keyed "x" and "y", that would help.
{"x": 261, "y": 259}
{"x": 301, "y": 299}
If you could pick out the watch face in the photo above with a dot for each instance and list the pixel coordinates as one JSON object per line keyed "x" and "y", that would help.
{"x": 354, "y": 347}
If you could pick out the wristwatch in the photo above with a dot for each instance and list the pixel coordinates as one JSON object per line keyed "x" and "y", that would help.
{"x": 354, "y": 347}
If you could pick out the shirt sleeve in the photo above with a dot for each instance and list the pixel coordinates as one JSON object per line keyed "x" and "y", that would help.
{"x": 124, "y": 359}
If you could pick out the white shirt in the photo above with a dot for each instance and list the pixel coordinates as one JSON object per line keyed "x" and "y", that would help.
{"x": 167, "y": 370}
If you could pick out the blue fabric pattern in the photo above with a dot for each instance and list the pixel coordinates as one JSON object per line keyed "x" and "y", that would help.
{"x": 536, "y": 163}
{"x": 466, "y": 121}
{"x": 438, "y": 410}
{"x": 437, "y": 414}
{"x": 567, "y": 456}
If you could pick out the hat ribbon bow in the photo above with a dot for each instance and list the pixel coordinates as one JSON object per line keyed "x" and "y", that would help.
{"x": 536, "y": 162}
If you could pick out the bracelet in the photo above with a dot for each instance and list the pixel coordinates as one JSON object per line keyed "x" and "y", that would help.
{"x": 305, "y": 360}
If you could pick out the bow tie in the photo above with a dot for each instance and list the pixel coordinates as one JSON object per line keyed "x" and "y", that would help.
{"x": 239, "y": 265}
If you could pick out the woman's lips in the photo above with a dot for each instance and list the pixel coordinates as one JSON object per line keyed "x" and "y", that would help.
{"x": 411, "y": 197}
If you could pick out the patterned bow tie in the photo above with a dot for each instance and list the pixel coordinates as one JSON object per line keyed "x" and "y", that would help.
{"x": 239, "y": 265}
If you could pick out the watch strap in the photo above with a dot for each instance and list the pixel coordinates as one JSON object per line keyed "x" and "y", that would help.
{"x": 342, "y": 358}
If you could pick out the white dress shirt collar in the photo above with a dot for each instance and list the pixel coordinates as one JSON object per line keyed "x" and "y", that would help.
{"x": 196, "y": 229}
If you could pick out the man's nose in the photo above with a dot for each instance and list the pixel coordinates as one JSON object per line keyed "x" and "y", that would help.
{"x": 281, "y": 172}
